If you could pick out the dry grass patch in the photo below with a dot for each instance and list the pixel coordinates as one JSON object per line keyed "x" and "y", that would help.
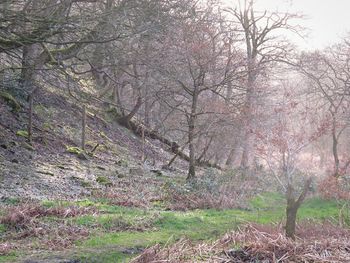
{"x": 209, "y": 191}
{"x": 32, "y": 225}
{"x": 259, "y": 243}
{"x": 22, "y": 216}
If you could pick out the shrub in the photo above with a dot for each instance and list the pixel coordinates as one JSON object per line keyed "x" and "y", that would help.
{"x": 334, "y": 188}
{"x": 229, "y": 190}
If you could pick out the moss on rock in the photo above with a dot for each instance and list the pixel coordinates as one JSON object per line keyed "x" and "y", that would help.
{"x": 28, "y": 146}
{"x": 103, "y": 180}
{"x": 22, "y": 133}
{"x": 11, "y": 101}
{"x": 74, "y": 150}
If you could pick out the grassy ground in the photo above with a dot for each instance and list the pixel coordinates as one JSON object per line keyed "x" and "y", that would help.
{"x": 120, "y": 233}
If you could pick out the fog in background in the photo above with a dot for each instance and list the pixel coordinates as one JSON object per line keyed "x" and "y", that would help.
{"x": 327, "y": 21}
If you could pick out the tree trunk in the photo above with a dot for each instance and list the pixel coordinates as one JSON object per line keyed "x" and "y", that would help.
{"x": 116, "y": 97}
{"x": 147, "y": 109}
{"x": 143, "y": 157}
{"x": 322, "y": 159}
{"x": 293, "y": 206}
{"x": 248, "y": 151}
{"x": 248, "y": 141}
{"x": 173, "y": 146}
{"x": 291, "y": 213}
{"x": 175, "y": 156}
{"x": 191, "y": 136}
{"x": 252, "y": 52}
{"x": 192, "y": 161}
{"x": 30, "y": 117}
{"x": 205, "y": 150}
{"x": 28, "y": 74}
{"x": 125, "y": 120}
{"x": 335, "y": 150}
{"x": 83, "y": 130}
{"x": 230, "y": 159}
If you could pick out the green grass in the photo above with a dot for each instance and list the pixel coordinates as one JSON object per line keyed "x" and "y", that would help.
{"x": 128, "y": 239}
{"x": 210, "y": 224}
{"x": 8, "y": 258}
{"x": 268, "y": 201}
{"x": 168, "y": 226}
{"x": 2, "y": 228}
{"x": 318, "y": 209}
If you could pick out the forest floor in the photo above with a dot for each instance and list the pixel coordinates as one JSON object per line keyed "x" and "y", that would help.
{"x": 103, "y": 232}
{"x": 57, "y": 205}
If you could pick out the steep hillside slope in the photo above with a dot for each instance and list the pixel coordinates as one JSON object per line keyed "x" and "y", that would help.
{"x": 51, "y": 167}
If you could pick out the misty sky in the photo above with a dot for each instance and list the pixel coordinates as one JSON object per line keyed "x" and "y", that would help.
{"x": 328, "y": 20}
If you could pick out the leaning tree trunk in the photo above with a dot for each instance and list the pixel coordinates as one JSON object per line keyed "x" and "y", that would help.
{"x": 125, "y": 120}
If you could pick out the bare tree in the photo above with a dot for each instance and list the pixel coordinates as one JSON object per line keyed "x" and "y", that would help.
{"x": 201, "y": 61}
{"x": 281, "y": 145}
{"x": 263, "y": 49}
{"x": 329, "y": 77}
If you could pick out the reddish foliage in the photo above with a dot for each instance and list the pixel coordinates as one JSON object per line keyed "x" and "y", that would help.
{"x": 5, "y": 248}
{"x": 332, "y": 188}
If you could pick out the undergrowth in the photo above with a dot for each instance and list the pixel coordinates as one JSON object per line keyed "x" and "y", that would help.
{"x": 110, "y": 232}
{"x": 225, "y": 191}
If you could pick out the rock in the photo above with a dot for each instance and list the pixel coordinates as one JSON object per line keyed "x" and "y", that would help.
{"x": 11, "y": 101}
{"x": 4, "y": 146}
{"x": 13, "y": 143}
{"x": 157, "y": 172}
{"x": 122, "y": 163}
{"x": 28, "y": 146}
{"x": 85, "y": 184}
{"x": 101, "y": 167}
{"x": 136, "y": 171}
{"x": 120, "y": 175}
{"x": 73, "y": 149}
{"x": 60, "y": 166}
{"x": 46, "y": 172}
{"x": 104, "y": 181}
{"x": 83, "y": 156}
{"x": 22, "y": 133}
